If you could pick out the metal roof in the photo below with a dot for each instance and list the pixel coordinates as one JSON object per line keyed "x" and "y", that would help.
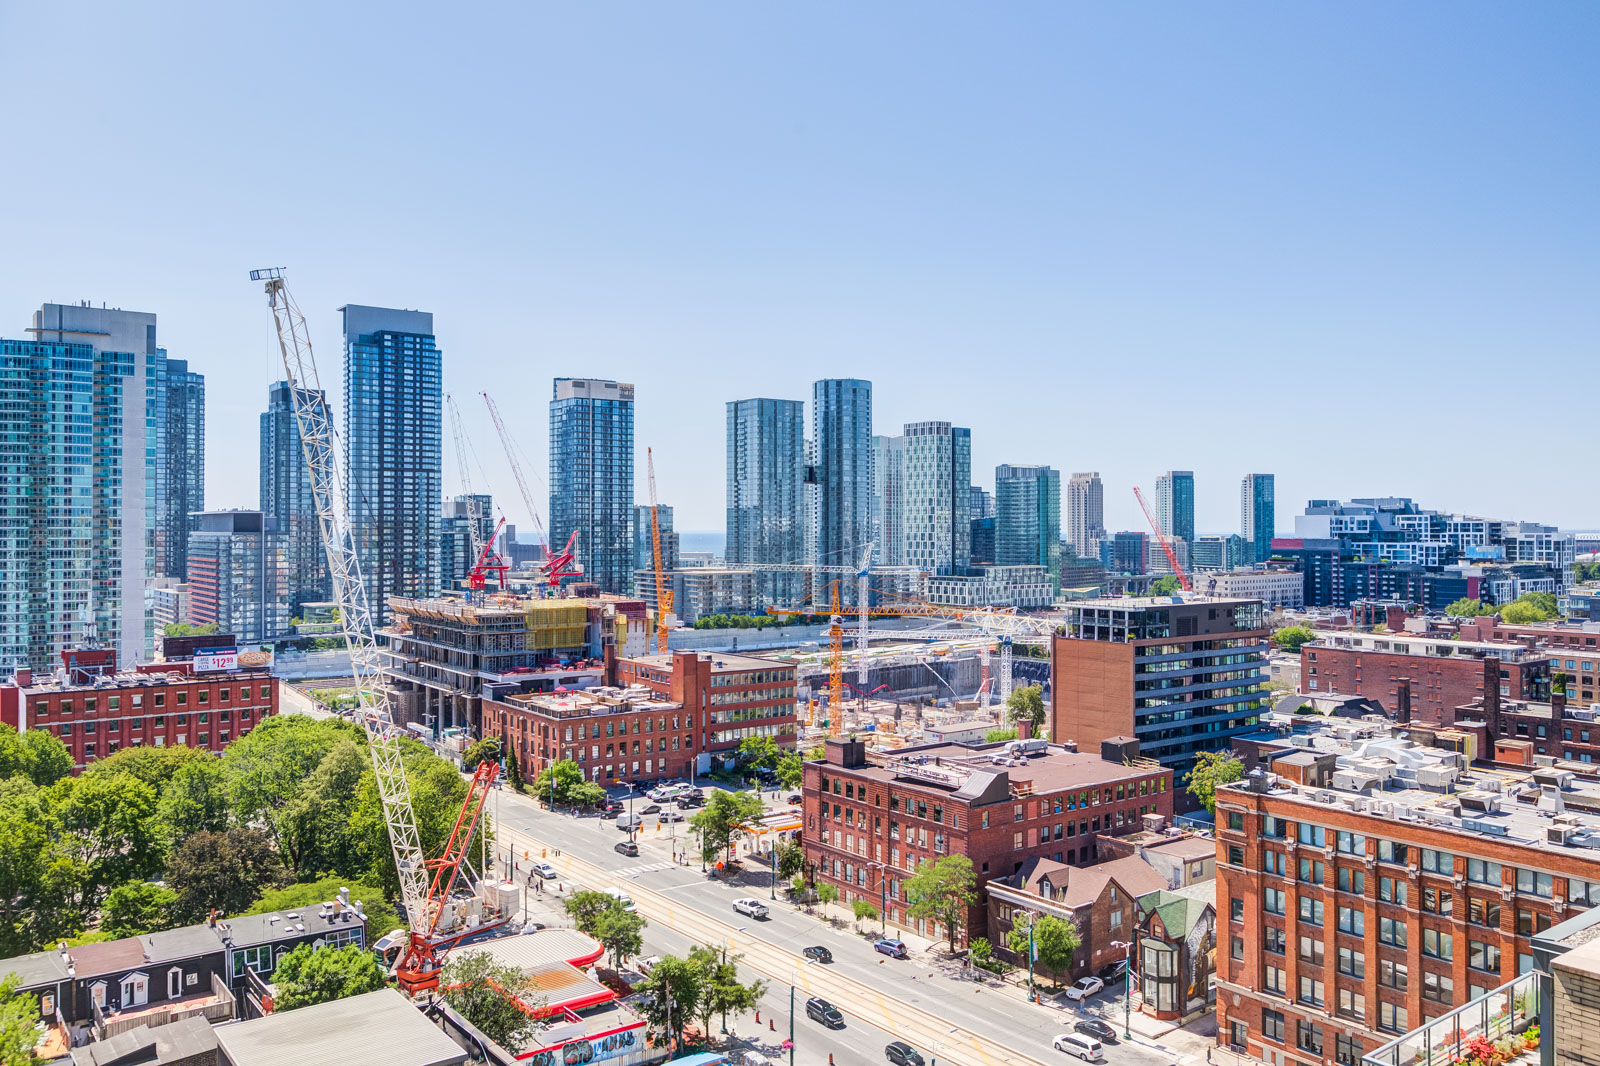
{"x": 376, "y": 1029}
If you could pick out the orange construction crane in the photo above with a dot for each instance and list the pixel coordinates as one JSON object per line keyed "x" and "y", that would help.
{"x": 1166, "y": 544}
{"x": 663, "y": 594}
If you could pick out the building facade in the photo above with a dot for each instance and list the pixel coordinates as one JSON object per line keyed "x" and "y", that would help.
{"x": 841, "y": 431}
{"x": 1180, "y": 677}
{"x": 392, "y": 406}
{"x": 612, "y": 734}
{"x": 459, "y": 542}
{"x": 936, "y": 492}
{"x": 287, "y": 499}
{"x": 766, "y": 472}
{"x": 591, "y": 477}
{"x": 1275, "y": 588}
{"x": 1023, "y": 587}
{"x": 239, "y": 575}
{"x": 1086, "y": 514}
{"x": 1258, "y": 514}
{"x": 1126, "y": 553}
{"x": 1222, "y": 553}
{"x": 1445, "y": 674}
{"x": 729, "y": 697}
{"x": 1028, "y": 518}
{"x": 888, "y": 499}
{"x": 644, "y": 554}
{"x": 1175, "y": 504}
{"x": 185, "y": 471}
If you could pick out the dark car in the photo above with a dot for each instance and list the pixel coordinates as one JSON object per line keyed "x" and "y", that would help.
{"x": 691, "y": 801}
{"x": 626, "y": 847}
{"x": 796, "y": 798}
{"x": 650, "y": 808}
{"x": 612, "y": 806}
{"x": 895, "y": 949}
{"x": 821, "y": 1010}
{"x": 820, "y": 954}
{"x": 902, "y": 1054}
{"x": 1096, "y": 1028}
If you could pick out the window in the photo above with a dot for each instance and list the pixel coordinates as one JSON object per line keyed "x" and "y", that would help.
{"x": 1236, "y": 948}
{"x": 1311, "y": 992}
{"x": 1347, "y": 1049}
{"x": 1272, "y": 1025}
{"x": 1273, "y": 826}
{"x": 1392, "y": 974}
{"x": 1274, "y": 940}
{"x": 1352, "y": 881}
{"x": 1392, "y": 931}
{"x": 1311, "y": 950}
{"x": 1235, "y": 820}
{"x": 1540, "y": 884}
{"x": 1352, "y": 963}
{"x": 1391, "y": 890}
{"x": 1238, "y": 1033}
{"x": 1275, "y": 980}
{"x": 1310, "y": 1037}
{"x": 1352, "y": 920}
{"x": 1437, "y": 900}
{"x": 1314, "y": 835}
{"x": 1389, "y": 851}
{"x": 1437, "y": 862}
{"x": 1392, "y": 1017}
{"x": 1481, "y": 956}
{"x": 1273, "y": 862}
{"x": 1311, "y": 871}
{"x": 1235, "y": 855}
{"x": 1273, "y": 900}
{"x": 1437, "y": 945}
{"x": 1311, "y": 910}
{"x": 1236, "y": 909}
{"x": 1352, "y": 843}
{"x": 1531, "y": 922}
{"x": 1438, "y": 988}
{"x": 1484, "y": 912}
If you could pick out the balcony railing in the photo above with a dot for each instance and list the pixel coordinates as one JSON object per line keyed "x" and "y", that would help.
{"x": 1507, "y": 1011}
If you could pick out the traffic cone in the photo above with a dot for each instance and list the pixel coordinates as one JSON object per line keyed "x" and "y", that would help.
{"x": 758, "y": 1017}
{"x": 770, "y": 1027}
{"x": 830, "y": 1058}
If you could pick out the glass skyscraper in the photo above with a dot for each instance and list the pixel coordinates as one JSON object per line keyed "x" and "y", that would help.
{"x": 841, "y": 429}
{"x": 183, "y": 482}
{"x": 1086, "y": 514}
{"x": 591, "y": 477}
{"x": 392, "y": 399}
{"x": 766, "y": 469}
{"x": 936, "y": 498}
{"x": 644, "y": 554}
{"x": 239, "y": 575}
{"x": 456, "y": 555}
{"x": 1258, "y": 514}
{"x": 287, "y": 500}
{"x": 1175, "y": 504}
{"x": 1028, "y": 518}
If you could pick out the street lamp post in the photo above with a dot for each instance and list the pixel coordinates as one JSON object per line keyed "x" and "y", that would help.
{"x": 1127, "y": 986}
{"x": 772, "y": 850}
{"x": 883, "y": 897}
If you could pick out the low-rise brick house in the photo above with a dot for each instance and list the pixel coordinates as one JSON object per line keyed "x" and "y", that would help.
{"x": 871, "y": 820}
{"x": 1103, "y": 901}
{"x": 1376, "y": 883}
{"x": 612, "y": 734}
{"x": 731, "y": 696}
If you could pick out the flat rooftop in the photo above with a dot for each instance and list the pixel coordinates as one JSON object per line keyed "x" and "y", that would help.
{"x": 376, "y": 1029}
{"x": 593, "y": 702}
{"x": 1138, "y": 603}
{"x": 960, "y": 768}
{"x": 721, "y": 661}
{"x": 121, "y": 682}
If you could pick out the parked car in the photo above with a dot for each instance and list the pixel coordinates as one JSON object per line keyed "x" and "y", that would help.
{"x": 545, "y": 870}
{"x": 895, "y": 949}
{"x": 795, "y": 799}
{"x": 626, "y": 847}
{"x": 821, "y": 1010}
{"x": 673, "y": 816}
{"x": 612, "y": 806}
{"x": 819, "y": 954}
{"x": 629, "y": 822}
{"x": 622, "y": 898}
{"x": 1096, "y": 1028}
{"x": 902, "y": 1054}
{"x": 646, "y": 964}
{"x": 1086, "y": 1048}
{"x": 750, "y": 906}
{"x": 690, "y": 801}
{"x": 650, "y": 808}
{"x": 1085, "y": 987}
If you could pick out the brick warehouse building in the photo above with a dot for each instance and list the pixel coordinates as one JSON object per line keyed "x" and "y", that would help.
{"x": 1179, "y": 677}
{"x": 97, "y": 712}
{"x": 734, "y": 696}
{"x": 1445, "y": 674}
{"x": 870, "y": 821}
{"x": 612, "y": 734}
{"x": 1372, "y": 884}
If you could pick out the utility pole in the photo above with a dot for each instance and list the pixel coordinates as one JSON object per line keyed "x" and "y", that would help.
{"x": 1032, "y": 996}
{"x": 791, "y": 1022}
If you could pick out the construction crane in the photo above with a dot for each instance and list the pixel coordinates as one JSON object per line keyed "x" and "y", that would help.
{"x": 489, "y": 562}
{"x": 555, "y": 566}
{"x": 1166, "y": 544}
{"x": 474, "y": 505}
{"x": 424, "y": 900}
{"x": 663, "y": 594}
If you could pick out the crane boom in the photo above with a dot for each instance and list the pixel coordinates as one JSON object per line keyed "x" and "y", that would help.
{"x": 663, "y": 594}
{"x": 557, "y": 565}
{"x": 355, "y": 614}
{"x": 1166, "y": 544}
{"x": 474, "y": 506}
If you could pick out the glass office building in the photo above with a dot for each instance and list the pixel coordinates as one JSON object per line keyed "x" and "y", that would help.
{"x": 936, "y": 498}
{"x": 591, "y": 477}
{"x": 1028, "y": 518}
{"x": 766, "y": 511}
{"x": 392, "y": 399}
{"x": 183, "y": 481}
{"x": 1258, "y": 514}
{"x": 1175, "y": 504}
{"x": 841, "y": 430}
{"x": 287, "y": 499}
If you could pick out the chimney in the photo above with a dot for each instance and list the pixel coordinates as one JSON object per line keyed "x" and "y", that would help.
{"x": 1558, "y": 705}
{"x": 1024, "y": 729}
{"x": 1402, "y": 701}
{"x": 1395, "y": 619}
{"x": 1491, "y": 694}
{"x": 23, "y": 677}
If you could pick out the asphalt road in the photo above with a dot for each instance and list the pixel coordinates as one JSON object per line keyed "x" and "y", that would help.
{"x": 942, "y": 1014}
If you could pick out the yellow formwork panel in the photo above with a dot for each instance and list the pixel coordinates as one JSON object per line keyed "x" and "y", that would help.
{"x": 556, "y": 624}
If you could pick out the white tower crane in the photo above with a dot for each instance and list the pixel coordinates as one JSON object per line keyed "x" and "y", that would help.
{"x": 474, "y": 505}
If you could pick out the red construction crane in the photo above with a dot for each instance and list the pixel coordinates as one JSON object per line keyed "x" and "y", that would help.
{"x": 489, "y": 562}
{"x": 1166, "y": 544}
{"x": 556, "y": 565}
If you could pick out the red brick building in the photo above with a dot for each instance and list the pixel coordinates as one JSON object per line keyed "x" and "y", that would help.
{"x": 870, "y": 822}
{"x": 733, "y": 696}
{"x": 612, "y": 734}
{"x": 1445, "y": 674}
{"x": 1350, "y": 913}
{"x": 98, "y": 713}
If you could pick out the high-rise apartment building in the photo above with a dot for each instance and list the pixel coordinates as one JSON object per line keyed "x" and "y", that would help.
{"x": 1175, "y": 504}
{"x": 591, "y": 477}
{"x": 766, "y": 471}
{"x": 1127, "y": 552}
{"x": 287, "y": 499}
{"x": 935, "y": 530}
{"x": 239, "y": 575}
{"x": 1028, "y": 518}
{"x": 982, "y": 505}
{"x": 841, "y": 429}
{"x": 457, "y": 555}
{"x": 1258, "y": 514}
{"x": 392, "y": 401}
{"x": 888, "y": 499}
{"x": 1086, "y": 514}
{"x": 184, "y": 477}
{"x": 83, "y": 465}
{"x": 644, "y": 552}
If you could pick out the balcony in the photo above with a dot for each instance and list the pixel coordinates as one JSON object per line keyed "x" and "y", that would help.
{"x": 1498, "y": 1020}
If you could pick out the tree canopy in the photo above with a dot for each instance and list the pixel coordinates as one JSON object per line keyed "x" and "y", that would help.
{"x": 307, "y": 976}
{"x": 1212, "y": 769}
{"x": 1530, "y": 607}
{"x": 479, "y": 989}
{"x": 1026, "y": 704}
{"x": 572, "y": 788}
{"x": 1289, "y": 638}
{"x": 715, "y": 823}
{"x": 1468, "y": 608}
{"x": 1055, "y": 941}
{"x": 184, "y": 629}
{"x": 759, "y": 753}
{"x": 605, "y": 917}
{"x": 1166, "y": 586}
{"x": 942, "y": 892}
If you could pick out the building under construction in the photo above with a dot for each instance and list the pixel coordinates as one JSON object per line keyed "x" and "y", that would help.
{"x": 441, "y": 652}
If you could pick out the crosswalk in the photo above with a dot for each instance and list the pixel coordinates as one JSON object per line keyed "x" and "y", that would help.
{"x": 644, "y": 868}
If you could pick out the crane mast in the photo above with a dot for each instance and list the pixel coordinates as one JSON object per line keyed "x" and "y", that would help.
{"x": 557, "y": 565}
{"x": 474, "y": 505}
{"x": 663, "y": 594}
{"x": 355, "y": 614}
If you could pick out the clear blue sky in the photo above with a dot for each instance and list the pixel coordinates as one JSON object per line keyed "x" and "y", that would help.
{"x": 1353, "y": 244}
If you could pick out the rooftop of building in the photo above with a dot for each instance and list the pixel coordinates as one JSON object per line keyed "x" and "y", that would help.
{"x": 184, "y": 1040}
{"x": 1377, "y": 769}
{"x": 592, "y": 702}
{"x": 375, "y": 1029}
{"x": 987, "y": 773}
{"x": 722, "y": 662}
{"x": 1434, "y": 645}
{"x": 1079, "y": 886}
{"x": 1140, "y": 603}
{"x": 247, "y": 930}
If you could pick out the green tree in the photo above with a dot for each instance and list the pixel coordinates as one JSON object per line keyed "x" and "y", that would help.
{"x": 48, "y": 758}
{"x": 673, "y": 990}
{"x": 791, "y": 770}
{"x": 981, "y": 952}
{"x": 827, "y": 893}
{"x": 222, "y": 871}
{"x": 621, "y": 933}
{"x": 513, "y": 770}
{"x": 137, "y": 908}
{"x": 196, "y": 798}
{"x": 106, "y": 823}
{"x": 485, "y": 750}
{"x": 1166, "y": 586}
{"x": 588, "y": 907}
{"x": 265, "y": 769}
{"x": 154, "y": 766}
{"x": 715, "y": 823}
{"x": 759, "y": 753}
{"x": 1055, "y": 940}
{"x": 1212, "y": 769}
{"x": 943, "y": 892}
{"x": 317, "y": 827}
{"x": 1026, "y": 704}
{"x": 791, "y": 859}
{"x": 25, "y": 853}
{"x": 721, "y": 991}
{"x": 1468, "y": 608}
{"x": 1558, "y": 681}
{"x": 1289, "y": 638}
{"x": 18, "y": 1030}
{"x": 1530, "y": 607}
{"x": 480, "y": 990}
{"x": 569, "y": 780}
{"x": 864, "y": 912}
{"x": 184, "y": 629}
{"x": 999, "y": 736}
{"x": 14, "y": 758}
{"x": 308, "y": 975}
{"x": 381, "y": 917}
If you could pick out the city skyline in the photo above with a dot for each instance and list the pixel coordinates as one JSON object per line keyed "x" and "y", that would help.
{"x": 1320, "y": 227}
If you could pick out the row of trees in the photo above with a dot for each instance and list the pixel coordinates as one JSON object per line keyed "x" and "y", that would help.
{"x": 1529, "y": 607}
{"x": 702, "y": 985}
{"x": 150, "y": 838}
{"x": 753, "y": 621}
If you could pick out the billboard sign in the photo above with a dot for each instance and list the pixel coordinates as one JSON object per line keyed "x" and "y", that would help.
{"x": 213, "y": 661}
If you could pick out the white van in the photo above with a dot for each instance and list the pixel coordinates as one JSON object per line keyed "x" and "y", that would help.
{"x": 629, "y": 822}
{"x": 1086, "y": 1048}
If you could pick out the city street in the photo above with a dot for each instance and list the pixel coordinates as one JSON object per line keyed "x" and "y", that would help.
{"x": 944, "y": 1015}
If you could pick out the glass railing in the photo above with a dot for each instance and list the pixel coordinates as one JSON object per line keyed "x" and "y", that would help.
{"x": 1502, "y": 1017}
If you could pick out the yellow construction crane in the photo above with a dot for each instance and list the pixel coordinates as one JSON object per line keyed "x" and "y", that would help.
{"x": 663, "y": 594}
